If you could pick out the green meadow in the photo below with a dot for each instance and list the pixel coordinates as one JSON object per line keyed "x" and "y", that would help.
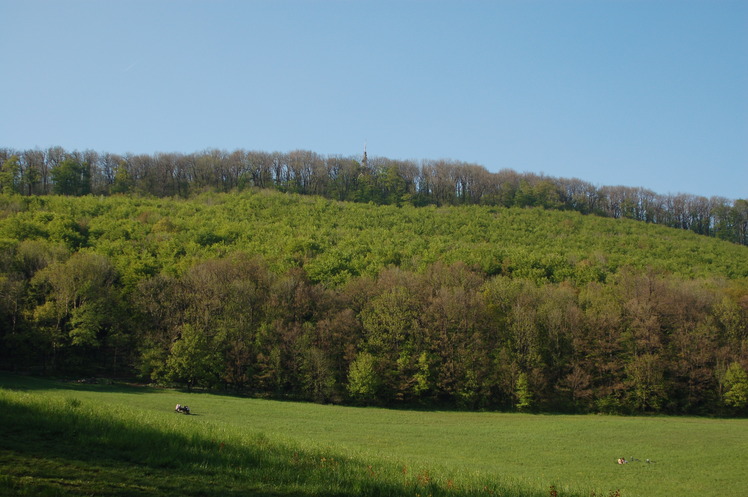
{"x": 66, "y": 438}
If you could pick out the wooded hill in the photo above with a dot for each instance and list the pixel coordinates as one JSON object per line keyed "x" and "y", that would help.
{"x": 378, "y": 180}
{"x": 293, "y": 296}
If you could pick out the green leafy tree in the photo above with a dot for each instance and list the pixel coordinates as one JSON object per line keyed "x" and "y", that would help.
{"x": 363, "y": 380}
{"x": 422, "y": 380}
{"x": 71, "y": 177}
{"x": 393, "y": 185}
{"x": 12, "y": 296}
{"x": 390, "y": 322}
{"x": 732, "y": 319}
{"x": 523, "y": 393}
{"x": 30, "y": 178}
{"x": 192, "y": 360}
{"x": 317, "y": 375}
{"x": 81, "y": 303}
{"x": 735, "y": 384}
{"x": 10, "y": 175}
{"x": 645, "y": 376}
{"x": 122, "y": 181}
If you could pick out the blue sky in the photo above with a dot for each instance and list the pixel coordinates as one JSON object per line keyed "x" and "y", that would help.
{"x": 614, "y": 92}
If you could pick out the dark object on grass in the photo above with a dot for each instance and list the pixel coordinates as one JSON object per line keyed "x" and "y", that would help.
{"x": 182, "y": 409}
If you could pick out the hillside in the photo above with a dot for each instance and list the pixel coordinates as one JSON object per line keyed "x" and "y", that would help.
{"x": 336, "y": 240}
{"x": 376, "y": 180}
{"x": 287, "y": 295}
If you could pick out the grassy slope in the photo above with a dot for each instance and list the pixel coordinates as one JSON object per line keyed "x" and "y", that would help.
{"x": 296, "y": 442}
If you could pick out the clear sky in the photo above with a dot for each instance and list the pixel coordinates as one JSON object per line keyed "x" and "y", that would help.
{"x": 615, "y": 92}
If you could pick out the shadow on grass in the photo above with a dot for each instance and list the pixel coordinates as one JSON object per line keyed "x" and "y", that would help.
{"x": 68, "y": 447}
{"x": 118, "y": 455}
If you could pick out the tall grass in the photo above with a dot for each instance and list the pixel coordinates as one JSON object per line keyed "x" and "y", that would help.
{"x": 66, "y": 446}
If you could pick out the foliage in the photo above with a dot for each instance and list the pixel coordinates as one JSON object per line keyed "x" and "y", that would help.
{"x": 735, "y": 383}
{"x": 523, "y": 393}
{"x": 10, "y": 172}
{"x": 277, "y": 294}
{"x": 71, "y": 177}
{"x": 363, "y": 383}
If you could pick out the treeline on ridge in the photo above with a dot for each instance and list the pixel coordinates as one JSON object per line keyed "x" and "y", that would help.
{"x": 295, "y": 297}
{"x": 377, "y": 179}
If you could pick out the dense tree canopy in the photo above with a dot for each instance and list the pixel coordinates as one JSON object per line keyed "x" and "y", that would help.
{"x": 377, "y": 180}
{"x": 299, "y": 296}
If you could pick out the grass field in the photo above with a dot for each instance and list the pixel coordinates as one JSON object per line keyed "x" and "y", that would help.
{"x": 75, "y": 439}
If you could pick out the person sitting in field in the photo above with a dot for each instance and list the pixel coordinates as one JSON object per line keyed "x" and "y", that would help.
{"x": 622, "y": 461}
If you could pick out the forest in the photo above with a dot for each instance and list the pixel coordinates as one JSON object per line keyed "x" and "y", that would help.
{"x": 295, "y": 296}
{"x": 378, "y": 180}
